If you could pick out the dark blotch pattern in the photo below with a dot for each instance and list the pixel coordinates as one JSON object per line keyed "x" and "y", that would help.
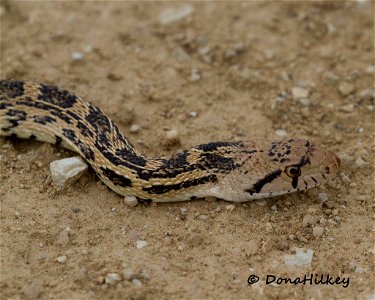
{"x": 43, "y": 119}
{"x": 56, "y": 96}
{"x": 15, "y": 117}
{"x": 87, "y": 152}
{"x": 115, "y": 178}
{"x": 11, "y": 88}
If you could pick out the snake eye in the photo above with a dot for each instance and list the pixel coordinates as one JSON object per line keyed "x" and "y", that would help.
{"x": 293, "y": 171}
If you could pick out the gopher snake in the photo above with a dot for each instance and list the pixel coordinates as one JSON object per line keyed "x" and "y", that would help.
{"x": 234, "y": 171}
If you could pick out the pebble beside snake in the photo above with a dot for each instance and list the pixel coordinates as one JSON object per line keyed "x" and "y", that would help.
{"x": 234, "y": 171}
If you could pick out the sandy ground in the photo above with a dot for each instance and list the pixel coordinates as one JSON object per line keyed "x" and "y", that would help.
{"x": 219, "y": 72}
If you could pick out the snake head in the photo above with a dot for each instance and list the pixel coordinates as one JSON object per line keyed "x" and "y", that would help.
{"x": 277, "y": 168}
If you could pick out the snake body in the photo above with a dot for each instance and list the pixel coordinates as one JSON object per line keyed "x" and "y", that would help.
{"x": 234, "y": 171}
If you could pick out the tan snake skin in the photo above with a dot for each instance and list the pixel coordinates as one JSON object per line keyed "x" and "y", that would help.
{"x": 234, "y": 171}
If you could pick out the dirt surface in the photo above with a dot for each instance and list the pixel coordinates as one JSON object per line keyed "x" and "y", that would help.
{"x": 218, "y": 71}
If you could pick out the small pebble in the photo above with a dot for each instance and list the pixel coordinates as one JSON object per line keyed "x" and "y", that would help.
{"x": 281, "y": 133}
{"x": 346, "y": 88}
{"x": 63, "y": 238}
{"x": 329, "y": 76}
{"x": 76, "y": 56}
{"x": 61, "y": 259}
{"x": 195, "y": 75}
{"x": 141, "y": 244}
{"x": 346, "y": 159}
{"x": 171, "y": 14}
{"x": 268, "y": 228}
{"x": 323, "y": 197}
{"x": 193, "y": 114}
{"x": 112, "y": 278}
{"x": 181, "y": 55}
{"x": 131, "y": 201}
{"x": 347, "y": 108}
{"x": 318, "y": 231}
{"x": 180, "y": 248}
{"x": 299, "y": 93}
{"x": 128, "y": 274}
{"x": 230, "y": 207}
{"x": 360, "y": 163}
{"x": 135, "y": 128}
{"x": 304, "y": 101}
{"x": 136, "y": 282}
{"x": 370, "y": 69}
{"x": 172, "y": 135}
{"x": 203, "y": 217}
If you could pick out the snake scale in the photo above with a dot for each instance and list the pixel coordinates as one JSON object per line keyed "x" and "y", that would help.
{"x": 234, "y": 171}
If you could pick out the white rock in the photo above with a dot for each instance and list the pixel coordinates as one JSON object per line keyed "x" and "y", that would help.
{"x": 346, "y": 159}
{"x": 141, "y": 244}
{"x": 318, "y": 231}
{"x": 112, "y": 278}
{"x": 193, "y": 114}
{"x": 300, "y": 258}
{"x": 128, "y": 274}
{"x": 171, "y": 14}
{"x": 136, "y": 282}
{"x": 305, "y": 101}
{"x": 61, "y": 259}
{"x": 180, "y": 54}
{"x": 346, "y": 88}
{"x": 135, "y": 128}
{"x": 230, "y": 207}
{"x": 299, "y": 92}
{"x": 172, "y": 135}
{"x": 360, "y": 163}
{"x": 348, "y": 108}
{"x": 63, "y": 238}
{"x": 204, "y": 50}
{"x": 195, "y": 75}
{"x": 131, "y": 201}
{"x": 77, "y": 55}
{"x": 323, "y": 197}
{"x": 281, "y": 133}
{"x": 370, "y": 69}
{"x": 67, "y": 168}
